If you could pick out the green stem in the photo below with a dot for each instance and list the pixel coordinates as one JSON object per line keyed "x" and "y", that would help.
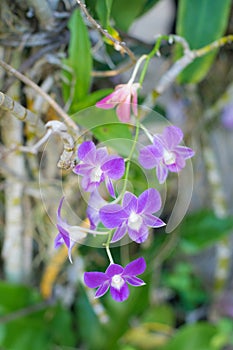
{"x": 149, "y": 56}
{"x": 128, "y": 160}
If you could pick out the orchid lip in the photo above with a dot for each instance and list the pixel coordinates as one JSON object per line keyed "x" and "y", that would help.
{"x": 135, "y": 221}
{"x": 169, "y": 157}
{"x": 117, "y": 282}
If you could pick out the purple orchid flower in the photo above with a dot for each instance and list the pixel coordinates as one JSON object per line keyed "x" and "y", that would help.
{"x": 95, "y": 203}
{"x": 134, "y": 216}
{"x": 122, "y": 97}
{"x": 166, "y": 154}
{"x": 96, "y": 166}
{"x": 65, "y": 231}
{"x": 116, "y": 278}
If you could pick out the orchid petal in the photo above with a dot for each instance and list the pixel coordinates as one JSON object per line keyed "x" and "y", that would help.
{"x": 101, "y": 155}
{"x": 65, "y": 235}
{"x": 161, "y": 172}
{"x": 87, "y": 152}
{"x": 107, "y": 102}
{"x": 134, "y": 281}
{"x": 120, "y": 295}
{"x": 136, "y": 267}
{"x": 139, "y": 236}
{"x": 184, "y": 152}
{"x": 149, "y": 201}
{"x": 94, "y": 205}
{"x": 102, "y": 290}
{"x": 86, "y": 184}
{"x": 95, "y": 279}
{"x": 152, "y": 221}
{"x": 130, "y": 203}
{"x": 59, "y": 209}
{"x": 149, "y": 157}
{"x": 159, "y": 146}
{"x": 110, "y": 187}
{"x": 112, "y": 215}
{"x": 119, "y": 233}
{"x": 134, "y": 89}
{"x": 114, "y": 167}
{"x": 70, "y": 251}
{"x": 82, "y": 169}
{"x": 123, "y": 110}
{"x": 177, "y": 166}
{"x": 58, "y": 241}
{"x": 172, "y": 136}
{"x": 114, "y": 269}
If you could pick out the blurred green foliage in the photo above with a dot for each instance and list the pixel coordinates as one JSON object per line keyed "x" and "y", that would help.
{"x": 200, "y": 23}
{"x": 78, "y": 64}
{"x": 202, "y": 229}
{"x": 26, "y": 319}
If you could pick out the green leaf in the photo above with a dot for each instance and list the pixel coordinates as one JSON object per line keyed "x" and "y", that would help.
{"x": 148, "y": 5}
{"x": 125, "y": 12}
{"x": 90, "y": 328}
{"x": 103, "y": 9}
{"x": 90, "y": 100}
{"x": 201, "y": 22}
{"x": 77, "y": 78}
{"x": 110, "y": 131}
{"x": 25, "y": 321}
{"x": 160, "y": 313}
{"x": 187, "y": 286}
{"x": 14, "y": 297}
{"x": 192, "y": 337}
{"x": 115, "y": 135}
{"x": 202, "y": 229}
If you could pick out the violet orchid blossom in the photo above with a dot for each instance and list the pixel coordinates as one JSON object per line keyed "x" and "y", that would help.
{"x": 122, "y": 97}
{"x": 95, "y": 203}
{"x": 134, "y": 216}
{"x": 166, "y": 154}
{"x": 96, "y": 166}
{"x": 65, "y": 231}
{"x": 116, "y": 278}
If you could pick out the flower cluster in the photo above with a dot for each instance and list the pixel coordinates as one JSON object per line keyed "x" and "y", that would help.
{"x": 126, "y": 214}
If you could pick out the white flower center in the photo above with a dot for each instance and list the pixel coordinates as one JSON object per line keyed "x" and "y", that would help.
{"x": 117, "y": 282}
{"x": 169, "y": 157}
{"x": 135, "y": 221}
{"x": 96, "y": 174}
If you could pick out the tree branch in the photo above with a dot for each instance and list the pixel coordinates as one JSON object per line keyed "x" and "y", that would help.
{"x": 117, "y": 44}
{"x": 34, "y": 86}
